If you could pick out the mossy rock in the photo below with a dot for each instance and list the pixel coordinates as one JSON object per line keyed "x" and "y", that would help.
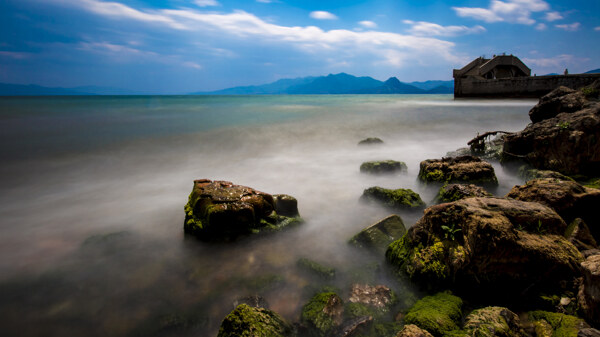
{"x": 383, "y": 167}
{"x": 246, "y": 321}
{"x": 399, "y": 199}
{"x": 316, "y": 268}
{"x": 371, "y": 141}
{"x": 454, "y": 192}
{"x": 493, "y": 322}
{"x": 438, "y": 314}
{"x": 464, "y": 169}
{"x": 527, "y": 173}
{"x": 323, "y": 314}
{"x": 562, "y": 325}
{"x": 378, "y": 236}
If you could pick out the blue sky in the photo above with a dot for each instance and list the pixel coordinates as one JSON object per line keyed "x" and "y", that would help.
{"x": 174, "y": 46}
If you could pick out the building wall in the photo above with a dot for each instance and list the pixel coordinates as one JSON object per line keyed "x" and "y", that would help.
{"x": 532, "y": 86}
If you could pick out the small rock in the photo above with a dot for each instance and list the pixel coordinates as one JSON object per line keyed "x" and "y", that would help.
{"x": 411, "y": 330}
{"x": 383, "y": 167}
{"x": 453, "y": 192}
{"x": 316, "y": 268}
{"x": 370, "y": 141}
{"x": 579, "y": 235}
{"x": 323, "y": 314}
{"x": 399, "y": 199}
{"x": 465, "y": 169}
{"x": 589, "y": 291}
{"x": 245, "y": 321}
{"x": 438, "y": 314}
{"x": 379, "y": 297}
{"x": 493, "y": 322}
{"x": 380, "y": 234}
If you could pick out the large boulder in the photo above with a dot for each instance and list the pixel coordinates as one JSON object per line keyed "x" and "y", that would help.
{"x": 568, "y": 198}
{"x": 507, "y": 245}
{"x": 589, "y": 291}
{"x": 323, "y": 314}
{"x": 465, "y": 169}
{"x": 561, "y": 99}
{"x": 379, "y": 235}
{"x": 247, "y": 321}
{"x": 222, "y": 210}
{"x": 383, "y": 167}
{"x": 453, "y": 192}
{"x": 567, "y": 143}
{"x": 399, "y": 199}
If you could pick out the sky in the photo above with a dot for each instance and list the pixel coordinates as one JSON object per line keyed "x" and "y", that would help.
{"x": 180, "y": 46}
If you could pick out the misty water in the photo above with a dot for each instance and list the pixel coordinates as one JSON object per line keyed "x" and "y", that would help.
{"x": 93, "y": 189}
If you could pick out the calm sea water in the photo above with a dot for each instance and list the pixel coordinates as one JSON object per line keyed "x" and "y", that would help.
{"x": 93, "y": 189}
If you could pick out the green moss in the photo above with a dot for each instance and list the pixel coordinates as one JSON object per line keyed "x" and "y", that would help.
{"x": 492, "y": 322}
{"x": 355, "y": 310}
{"x": 562, "y": 325}
{"x": 387, "y": 329}
{"x": 383, "y": 166}
{"x": 397, "y": 199}
{"x": 398, "y": 252}
{"x": 422, "y": 262}
{"x": 438, "y": 314}
{"x": 431, "y": 261}
{"x": 316, "y": 268}
{"x": 433, "y": 176}
{"x": 246, "y": 321}
{"x": 320, "y": 313}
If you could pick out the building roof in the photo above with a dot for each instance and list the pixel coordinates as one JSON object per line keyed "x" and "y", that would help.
{"x": 480, "y": 66}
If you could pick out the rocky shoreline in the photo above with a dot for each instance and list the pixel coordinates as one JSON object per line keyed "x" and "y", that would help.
{"x": 526, "y": 264}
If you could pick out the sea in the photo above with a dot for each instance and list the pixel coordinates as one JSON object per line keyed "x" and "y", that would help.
{"x": 92, "y": 190}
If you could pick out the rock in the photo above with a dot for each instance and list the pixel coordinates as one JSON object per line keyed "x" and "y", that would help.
{"x": 561, "y": 99}
{"x": 589, "y": 291}
{"x": 383, "y": 167}
{"x": 370, "y": 141}
{"x": 528, "y": 174}
{"x": 249, "y": 322}
{"x": 465, "y": 169}
{"x": 411, "y": 330}
{"x": 438, "y": 314}
{"x": 252, "y": 301}
{"x": 588, "y": 332}
{"x": 379, "y": 297}
{"x": 579, "y": 235}
{"x": 561, "y": 325}
{"x": 323, "y": 314}
{"x": 221, "y": 210}
{"x": 507, "y": 245}
{"x": 590, "y": 252}
{"x": 379, "y": 235}
{"x": 400, "y": 199}
{"x": 453, "y": 192}
{"x": 568, "y": 198}
{"x": 355, "y": 327}
{"x": 567, "y": 143}
{"x": 316, "y": 268}
{"x": 286, "y": 205}
{"x": 493, "y": 322}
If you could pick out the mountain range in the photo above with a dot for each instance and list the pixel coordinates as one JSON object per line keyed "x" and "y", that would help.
{"x": 341, "y": 83}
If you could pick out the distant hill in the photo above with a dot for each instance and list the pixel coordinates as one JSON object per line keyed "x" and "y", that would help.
{"x": 595, "y": 71}
{"x": 35, "y": 90}
{"x": 341, "y": 83}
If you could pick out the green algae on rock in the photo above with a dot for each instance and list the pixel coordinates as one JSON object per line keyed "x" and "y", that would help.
{"x": 246, "y": 321}
{"x": 438, "y": 314}
{"x": 399, "y": 199}
{"x": 323, "y": 314}
{"x": 383, "y": 167}
{"x": 464, "y": 169}
{"x": 316, "y": 268}
{"x": 493, "y": 322}
{"x": 379, "y": 235}
{"x": 562, "y": 325}
{"x": 411, "y": 330}
{"x": 219, "y": 210}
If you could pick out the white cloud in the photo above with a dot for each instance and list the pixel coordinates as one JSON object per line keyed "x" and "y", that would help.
{"x": 381, "y": 47}
{"x": 597, "y": 29}
{"x": 512, "y": 11}
{"x": 423, "y": 28}
{"x": 368, "y": 24}
{"x": 553, "y": 16}
{"x": 541, "y": 26}
{"x": 322, "y": 15}
{"x": 569, "y": 27}
{"x": 266, "y": 1}
{"x": 15, "y": 55}
{"x": 206, "y": 3}
{"x": 557, "y": 63}
{"x": 192, "y": 65}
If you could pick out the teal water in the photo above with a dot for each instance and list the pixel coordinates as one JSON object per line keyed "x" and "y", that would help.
{"x": 93, "y": 189}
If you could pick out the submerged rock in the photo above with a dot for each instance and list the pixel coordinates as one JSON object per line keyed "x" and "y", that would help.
{"x": 249, "y": 321}
{"x": 379, "y": 235}
{"x": 559, "y": 100}
{"x": 370, "y": 141}
{"x": 323, "y": 314}
{"x": 316, "y": 268}
{"x": 567, "y": 143}
{"x": 465, "y": 169}
{"x": 507, "y": 245}
{"x": 568, "y": 198}
{"x": 222, "y": 210}
{"x": 399, "y": 199}
{"x": 589, "y": 291}
{"x": 453, "y": 192}
{"x": 528, "y": 173}
{"x": 438, "y": 314}
{"x": 493, "y": 322}
{"x": 383, "y": 167}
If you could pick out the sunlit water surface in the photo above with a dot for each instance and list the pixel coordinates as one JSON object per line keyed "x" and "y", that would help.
{"x": 93, "y": 189}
